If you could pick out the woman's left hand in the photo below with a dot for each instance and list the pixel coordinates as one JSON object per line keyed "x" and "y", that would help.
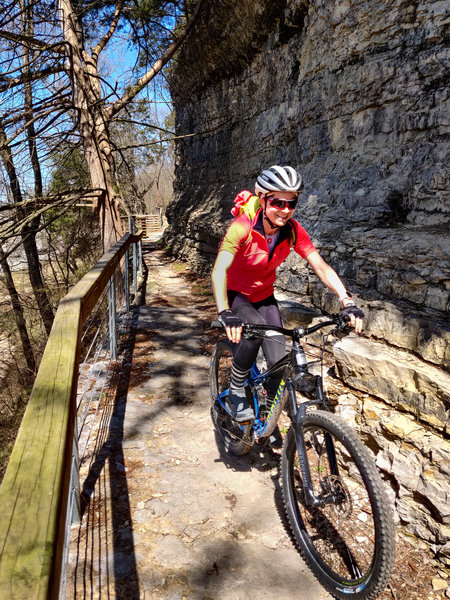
{"x": 355, "y": 315}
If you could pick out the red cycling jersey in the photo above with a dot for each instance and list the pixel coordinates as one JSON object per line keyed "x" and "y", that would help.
{"x": 253, "y": 270}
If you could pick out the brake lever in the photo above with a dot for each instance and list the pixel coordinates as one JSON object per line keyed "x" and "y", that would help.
{"x": 249, "y": 333}
{"x": 342, "y": 326}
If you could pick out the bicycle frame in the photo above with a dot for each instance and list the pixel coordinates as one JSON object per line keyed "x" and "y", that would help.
{"x": 296, "y": 358}
{"x": 255, "y": 380}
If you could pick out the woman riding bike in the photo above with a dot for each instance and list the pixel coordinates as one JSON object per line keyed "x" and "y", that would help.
{"x": 258, "y": 240}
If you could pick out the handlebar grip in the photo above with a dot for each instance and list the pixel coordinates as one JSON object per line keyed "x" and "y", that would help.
{"x": 216, "y": 323}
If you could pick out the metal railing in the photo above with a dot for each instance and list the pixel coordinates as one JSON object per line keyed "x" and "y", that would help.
{"x": 39, "y": 495}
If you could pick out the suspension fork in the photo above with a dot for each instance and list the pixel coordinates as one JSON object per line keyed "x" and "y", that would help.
{"x": 298, "y": 418}
{"x": 331, "y": 452}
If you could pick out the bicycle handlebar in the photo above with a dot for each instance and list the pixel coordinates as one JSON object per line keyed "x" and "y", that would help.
{"x": 297, "y": 332}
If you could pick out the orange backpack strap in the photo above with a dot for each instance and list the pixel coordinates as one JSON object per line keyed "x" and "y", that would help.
{"x": 240, "y": 201}
{"x": 246, "y": 202}
{"x": 293, "y": 236}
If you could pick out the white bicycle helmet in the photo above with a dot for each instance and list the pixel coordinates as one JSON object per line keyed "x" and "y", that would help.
{"x": 279, "y": 179}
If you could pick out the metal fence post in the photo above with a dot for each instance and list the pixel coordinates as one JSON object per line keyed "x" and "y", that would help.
{"x": 75, "y": 479}
{"x": 112, "y": 318}
{"x": 73, "y": 508}
{"x": 126, "y": 275}
{"x": 140, "y": 257}
{"x": 134, "y": 270}
{"x": 134, "y": 257}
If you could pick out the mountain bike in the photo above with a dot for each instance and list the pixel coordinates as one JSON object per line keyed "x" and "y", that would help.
{"x": 333, "y": 494}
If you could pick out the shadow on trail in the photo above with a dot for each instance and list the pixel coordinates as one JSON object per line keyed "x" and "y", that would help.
{"x": 260, "y": 457}
{"x": 264, "y": 459}
{"x": 279, "y": 505}
{"x": 167, "y": 327}
{"x": 108, "y": 470}
{"x": 219, "y": 568}
{"x": 109, "y": 451}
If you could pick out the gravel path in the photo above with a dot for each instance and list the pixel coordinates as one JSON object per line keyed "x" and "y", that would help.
{"x": 166, "y": 514}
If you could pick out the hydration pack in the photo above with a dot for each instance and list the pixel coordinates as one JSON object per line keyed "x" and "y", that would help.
{"x": 246, "y": 202}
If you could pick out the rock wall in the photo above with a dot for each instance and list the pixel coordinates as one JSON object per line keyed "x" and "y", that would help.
{"x": 354, "y": 94}
{"x": 414, "y": 457}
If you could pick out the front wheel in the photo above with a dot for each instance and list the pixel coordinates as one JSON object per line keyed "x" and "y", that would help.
{"x": 236, "y": 438}
{"x": 349, "y": 543}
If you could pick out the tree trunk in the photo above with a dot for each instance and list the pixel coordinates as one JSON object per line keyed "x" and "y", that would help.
{"x": 28, "y": 235}
{"x": 35, "y": 274}
{"x": 18, "y": 316}
{"x": 97, "y": 149}
{"x": 95, "y": 115}
{"x": 92, "y": 125}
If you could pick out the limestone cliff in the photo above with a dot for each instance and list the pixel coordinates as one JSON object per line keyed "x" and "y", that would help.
{"x": 354, "y": 94}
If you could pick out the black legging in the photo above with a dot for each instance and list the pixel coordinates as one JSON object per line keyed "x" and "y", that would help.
{"x": 263, "y": 312}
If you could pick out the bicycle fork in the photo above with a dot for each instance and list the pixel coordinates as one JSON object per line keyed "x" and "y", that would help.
{"x": 298, "y": 418}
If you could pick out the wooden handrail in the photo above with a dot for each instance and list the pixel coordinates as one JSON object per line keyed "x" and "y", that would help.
{"x": 148, "y": 223}
{"x": 36, "y": 486}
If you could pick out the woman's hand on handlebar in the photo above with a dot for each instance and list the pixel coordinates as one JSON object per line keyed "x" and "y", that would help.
{"x": 232, "y": 324}
{"x": 354, "y": 315}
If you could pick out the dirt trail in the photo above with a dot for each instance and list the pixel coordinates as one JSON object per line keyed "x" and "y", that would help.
{"x": 167, "y": 515}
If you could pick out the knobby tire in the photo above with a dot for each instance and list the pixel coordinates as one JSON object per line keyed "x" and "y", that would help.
{"x": 350, "y": 544}
{"x": 236, "y": 439}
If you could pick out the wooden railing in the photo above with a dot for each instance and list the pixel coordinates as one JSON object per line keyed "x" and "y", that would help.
{"x": 148, "y": 223}
{"x": 35, "y": 491}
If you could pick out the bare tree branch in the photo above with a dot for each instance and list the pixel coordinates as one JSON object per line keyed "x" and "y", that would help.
{"x": 8, "y": 141}
{"x": 99, "y": 47}
{"x": 10, "y": 230}
{"x": 7, "y": 84}
{"x": 43, "y": 108}
{"x": 114, "y": 108}
{"x": 175, "y": 137}
{"x": 143, "y": 124}
{"x": 32, "y": 43}
{"x": 49, "y": 199}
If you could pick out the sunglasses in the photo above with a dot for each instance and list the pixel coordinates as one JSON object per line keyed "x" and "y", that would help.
{"x": 279, "y": 203}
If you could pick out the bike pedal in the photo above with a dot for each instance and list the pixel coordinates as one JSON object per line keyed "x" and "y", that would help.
{"x": 248, "y": 422}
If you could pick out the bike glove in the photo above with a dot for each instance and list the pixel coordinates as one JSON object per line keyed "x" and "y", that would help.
{"x": 229, "y": 319}
{"x": 351, "y": 309}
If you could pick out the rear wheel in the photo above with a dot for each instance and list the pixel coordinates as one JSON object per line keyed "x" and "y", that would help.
{"x": 348, "y": 543}
{"x": 237, "y": 439}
